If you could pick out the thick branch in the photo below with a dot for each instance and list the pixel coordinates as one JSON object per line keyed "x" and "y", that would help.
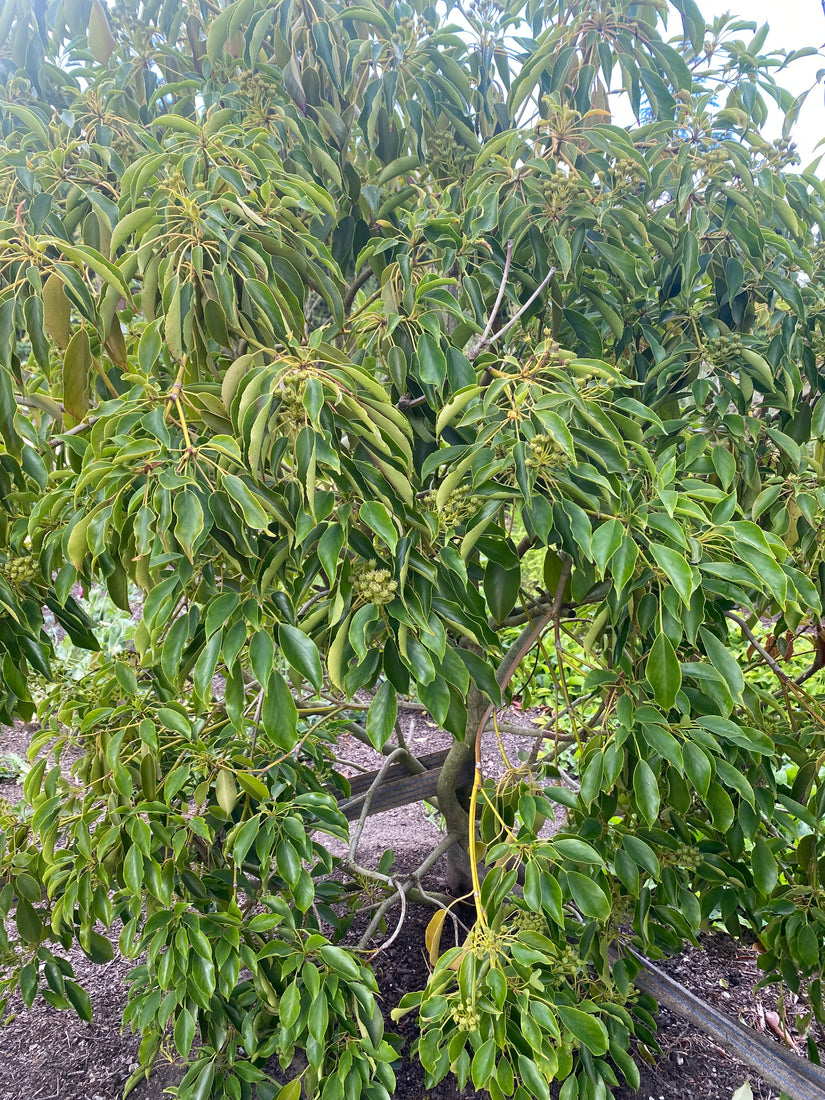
{"x": 407, "y": 890}
{"x": 355, "y": 286}
{"x": 405, "y": 757}
{"x": 370, "y": 795}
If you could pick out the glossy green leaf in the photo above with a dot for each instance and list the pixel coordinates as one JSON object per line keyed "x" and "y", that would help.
{"x": 663, "y": 672}
{"x": 588, "y": 1029}
{"x": 302, "y": 653}
{"x": 382, "y": 714}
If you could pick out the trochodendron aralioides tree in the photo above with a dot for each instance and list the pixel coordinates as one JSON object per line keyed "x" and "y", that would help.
{"x": 319, "y": 324}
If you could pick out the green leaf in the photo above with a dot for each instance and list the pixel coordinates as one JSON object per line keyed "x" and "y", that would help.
{"x": 724, "y": 662}
{"x": 184, "y": 1032}
{"x": 29, "y": 922}
{"x": 589, "y": 1030}
{"x": 588, "y": 895}
{"x": 501, "y": 585}
{"x": 99, "y": 35}
{"x": 482, "y": 675}
{"x": 189, "y": 521}
{"x": 579, "y": 851}
{"x": 245, "y": 838}
{"x": 765, "y": 868}
{"x": 484, "y": 1063}
{"x": 251, "y": 507}
{"x": 379, "y": 520}
{"x": 329, "y": 549}
{"x": 262, "y": 655}
{"x": 533, "y": 1078}
{"x": 279, "y": 715}
{"x": 302, "y": 654}
{"x": 290, "y": 1007}
{"x": 698, "y": 767}
{"x": 607, "y": 539}
{"x": 646, "y": 791}
{"x": 253, "y": 786}
{"x": 382, "y": 715}
{"x": 79, "y": 999}
{"x": 340, "y": 962}
{"x": 57, "y": 312}
{"x": 677, "y": 569}
{"x": 288, "y": 863}
{"x": 291, "y": 1090}
{"x": 432, "y": 362}
{"x": 721, "y": 807}
{"x": 77, "y": 364}
{"x": 133, "y": 869}
{"x": 663, "y": 672}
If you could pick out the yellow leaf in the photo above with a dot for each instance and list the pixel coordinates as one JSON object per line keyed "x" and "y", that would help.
{"x": 77, "y": 362}
{"x": 226, "y": 792}
{"x": 432, "y": 936}
{"x": 57, "y": 311}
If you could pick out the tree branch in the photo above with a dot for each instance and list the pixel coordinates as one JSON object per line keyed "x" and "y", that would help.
{"x": 352, "y": 290}
{"x": 525, "y": 307}
{"x": 484, "y": 340}
{"x": 370, "y": 795}
{"x": 407, "y": 889}
{"x": 760, "y": 649}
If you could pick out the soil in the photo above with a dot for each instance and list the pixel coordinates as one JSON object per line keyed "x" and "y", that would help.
{"x": 46, "y": 1054}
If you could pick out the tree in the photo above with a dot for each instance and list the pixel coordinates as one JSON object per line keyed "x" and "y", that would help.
{"x": 319, "y": 323}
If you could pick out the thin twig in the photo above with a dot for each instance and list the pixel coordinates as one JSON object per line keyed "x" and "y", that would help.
{"x": 402, "y": 897}
{"x": 368, "y": 798}
{"x": 519, "y": 618}
{"x": 763, "y": 653}
{"x": 259, "y": 706}
{"x": 409, "y": 888}
{"x": 56, "y": 440}
{"x": 558, "y": 603}
{"x": 448, "y": 909}
{"x": 352, "y": 290}
{"x": 485, "y": 336}
{"x": 501, "y": 332}
{"x": 819, "y": 656}
{"x": 525, "y": 731}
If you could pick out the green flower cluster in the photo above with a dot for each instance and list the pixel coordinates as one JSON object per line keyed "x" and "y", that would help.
{"x": 524, "y": 920}
{"x": 722, "y": 349}
{"x": 685, "y": 856}
{"x": 544, "y": 453}
{"x": 465, "y": 1016}
{"x": 371, "y": 585}
{"x": 22, "y": 570}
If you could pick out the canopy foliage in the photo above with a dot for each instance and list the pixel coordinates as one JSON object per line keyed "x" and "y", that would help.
{"x": 318, "y": 322}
